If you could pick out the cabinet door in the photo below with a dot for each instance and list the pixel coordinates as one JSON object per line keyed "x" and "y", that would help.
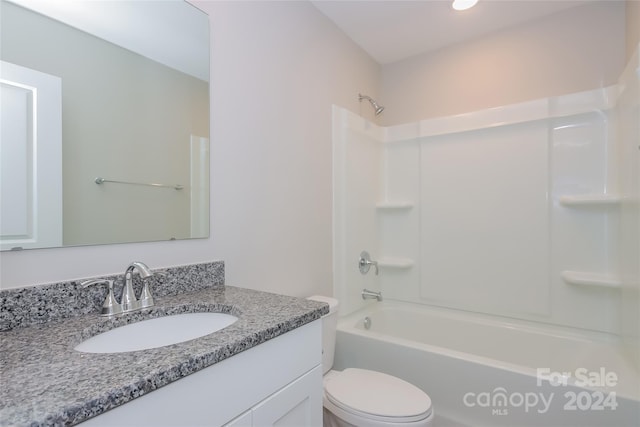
{"x": 297, "y": 404}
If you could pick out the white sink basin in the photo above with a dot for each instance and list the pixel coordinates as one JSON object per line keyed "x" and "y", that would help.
{"x": 157, "y": 332}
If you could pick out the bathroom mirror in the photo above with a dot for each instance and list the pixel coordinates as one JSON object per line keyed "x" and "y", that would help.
{"x": 105, "y": 122}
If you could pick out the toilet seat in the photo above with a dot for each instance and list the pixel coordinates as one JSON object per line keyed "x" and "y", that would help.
{"x": 375, "y": 396}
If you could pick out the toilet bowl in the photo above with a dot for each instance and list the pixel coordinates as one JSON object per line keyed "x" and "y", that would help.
{"x": 361, "y": 397}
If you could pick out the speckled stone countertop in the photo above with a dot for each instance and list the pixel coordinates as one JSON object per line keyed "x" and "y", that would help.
{"x": 44, "y": 381}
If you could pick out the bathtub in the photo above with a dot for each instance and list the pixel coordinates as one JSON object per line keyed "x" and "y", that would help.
{"x": 486, "y": 371}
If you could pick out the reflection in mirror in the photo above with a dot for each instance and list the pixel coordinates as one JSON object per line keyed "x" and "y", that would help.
{"x": 110, "y": 90}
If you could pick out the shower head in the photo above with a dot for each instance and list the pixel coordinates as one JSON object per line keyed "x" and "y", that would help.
{"x": 378, "y": 108}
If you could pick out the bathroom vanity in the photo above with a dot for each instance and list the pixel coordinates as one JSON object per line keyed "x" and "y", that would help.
{"x": 271, "y": 384}
{"x": 261, "y": 370}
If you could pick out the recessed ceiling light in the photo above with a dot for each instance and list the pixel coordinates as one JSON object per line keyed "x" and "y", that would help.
{"x": 463, "y": 4}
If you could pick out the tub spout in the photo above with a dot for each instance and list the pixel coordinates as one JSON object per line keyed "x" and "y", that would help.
{"x": 367, "y": 294}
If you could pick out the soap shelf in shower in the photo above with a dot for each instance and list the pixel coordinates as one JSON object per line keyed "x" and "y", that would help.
{"x": 389, "y": 262}
{"x": 590, "y": 200}
{"x": 590, "y": 279}
{"x": 400, "y": 205}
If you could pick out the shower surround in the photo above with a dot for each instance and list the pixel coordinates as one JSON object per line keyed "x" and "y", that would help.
{"x": 526, "y": 211}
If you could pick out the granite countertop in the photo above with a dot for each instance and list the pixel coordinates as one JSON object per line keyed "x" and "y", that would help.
{"x": 44, "y": 381}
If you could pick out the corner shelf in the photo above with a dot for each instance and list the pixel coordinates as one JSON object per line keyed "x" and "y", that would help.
{"x": 389, "y": 262}
{"x": 390, "y": 206}
{"x": 582, "y": 278}
{"x": 590, "y": 200}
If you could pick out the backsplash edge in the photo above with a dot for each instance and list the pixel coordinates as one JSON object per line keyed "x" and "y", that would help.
{"x": 21, "y": 307}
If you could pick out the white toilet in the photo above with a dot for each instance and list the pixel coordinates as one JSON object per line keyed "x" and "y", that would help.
{"x": 364, "y": 398}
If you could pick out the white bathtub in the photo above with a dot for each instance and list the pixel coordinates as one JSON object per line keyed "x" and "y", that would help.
{"x": 485, "y": 371}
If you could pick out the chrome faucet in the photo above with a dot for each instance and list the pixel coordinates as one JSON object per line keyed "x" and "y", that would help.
{"x": 128, "y": 301}
{"x": 128, "y": 298}
{"x": 367, "y": 294}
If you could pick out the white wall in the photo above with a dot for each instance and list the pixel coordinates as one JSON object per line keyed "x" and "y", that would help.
{"x": 576, "y": 50}
{"x": 277, "y": 67}
{"x": 632, "y": 26}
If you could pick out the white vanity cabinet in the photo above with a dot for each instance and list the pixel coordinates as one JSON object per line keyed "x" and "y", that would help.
{"x": 277, "y": 383}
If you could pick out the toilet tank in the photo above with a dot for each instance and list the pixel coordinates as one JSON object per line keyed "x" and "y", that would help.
{"x": 329, "y": 326}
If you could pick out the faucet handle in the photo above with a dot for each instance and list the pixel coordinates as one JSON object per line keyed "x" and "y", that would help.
{"x": 365, "y": 262}
{"x": 110, "y": 306}
{"x": 146, "y": 299}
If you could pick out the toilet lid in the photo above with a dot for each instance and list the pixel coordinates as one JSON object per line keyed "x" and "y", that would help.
{"x": 376, "y": 395}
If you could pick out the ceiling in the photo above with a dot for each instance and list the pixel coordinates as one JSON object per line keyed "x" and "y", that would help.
{"x": 173, "y": 33}
{"x": 394, "y": 30}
